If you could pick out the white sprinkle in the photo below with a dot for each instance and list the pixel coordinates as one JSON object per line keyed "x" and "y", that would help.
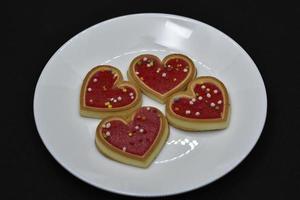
{"x": 208, "y": 95}
{"x": 124, "y": 148}
{"x": 187, "y": 112}
{"x": 145, "y": 59}
{"x": 185, "y": 70}
{"x": 207, "y": 89}
{"x": 215, "y": 91}
{"x": 137, "y": 73}
{"x": 157, "y": 71}
{"x": 136, "y": 127}
{"x": 193, "y": 99}
{"x": 89, "y": 89}
{"x": 148, "y": 65}
{"x": 107, "y": 133}
{"x": 169, "y": 66}
{"x": 115, "y": 100}
{"x": 164, "y": 74}
{"x": 119, "y": 98}
{"x": 132, "y": 97}
{"x": 108, "y": 125}
{"x": 191, "y": 102}
{"x": 111, "y": 99}
{"x": 179, "y": 65}
{"x": 203, "y": 87}
{"x": 131, "y": 94}
{"x": 200, "y": 98}
{"x": 141, "y": 130}
{"x": 95, "y": 80}
{"x": 219, "y": 102}
{"x": 197, "y": 113}
{"x": 212, "y": 104}
{"x": 91, "y": 100}
{"x": 148, "y": 108}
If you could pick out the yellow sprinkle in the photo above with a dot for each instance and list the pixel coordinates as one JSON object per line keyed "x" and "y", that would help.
{"x": 109, "y": 106}
{"x": 129, "y": 134}
{"x": 124, "y": 90}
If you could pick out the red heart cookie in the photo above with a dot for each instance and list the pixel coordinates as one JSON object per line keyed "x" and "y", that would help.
{"x": 204, "y": 106}
{"x": 104, "y": 93}
{"x": 160, "y": 79}
{"x": 135, "y": 140}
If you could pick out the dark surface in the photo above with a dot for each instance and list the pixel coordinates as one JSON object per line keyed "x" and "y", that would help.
{"x": 267, "y": 31}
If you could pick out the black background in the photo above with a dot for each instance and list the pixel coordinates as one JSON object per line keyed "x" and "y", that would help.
{"x": 268, "y": 31}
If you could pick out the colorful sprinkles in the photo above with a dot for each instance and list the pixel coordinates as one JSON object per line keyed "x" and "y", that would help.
{"x": 208, "y": 102}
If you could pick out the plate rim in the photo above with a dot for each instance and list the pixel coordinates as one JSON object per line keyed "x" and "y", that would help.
{"x": 174, "y": 16}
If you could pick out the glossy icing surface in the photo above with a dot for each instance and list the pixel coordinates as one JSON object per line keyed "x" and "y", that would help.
{"x": 161, "y": 77}
{"x": 102, "y": 93}
{"x": 137, "y": 136}
{"x": 207, "y": 104}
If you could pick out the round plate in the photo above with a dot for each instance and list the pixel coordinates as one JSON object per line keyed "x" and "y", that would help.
{"x": 188, "y": 160}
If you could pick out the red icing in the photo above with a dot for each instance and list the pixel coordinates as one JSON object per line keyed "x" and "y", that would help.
{"x": 138, "y": 143}
{"x": 155, "y": 80}
{"x": 202, "y": 106}
{"x": 103, "y": 90}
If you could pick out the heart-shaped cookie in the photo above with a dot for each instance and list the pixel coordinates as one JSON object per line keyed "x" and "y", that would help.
{"x": 135, "y": 140}
{"x": 104, "y": 93}
{"x": 204, "y": 106}
{"x": 160, "y": 79}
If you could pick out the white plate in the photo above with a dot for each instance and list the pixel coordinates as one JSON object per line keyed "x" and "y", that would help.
{"x": 188, "y": 160}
